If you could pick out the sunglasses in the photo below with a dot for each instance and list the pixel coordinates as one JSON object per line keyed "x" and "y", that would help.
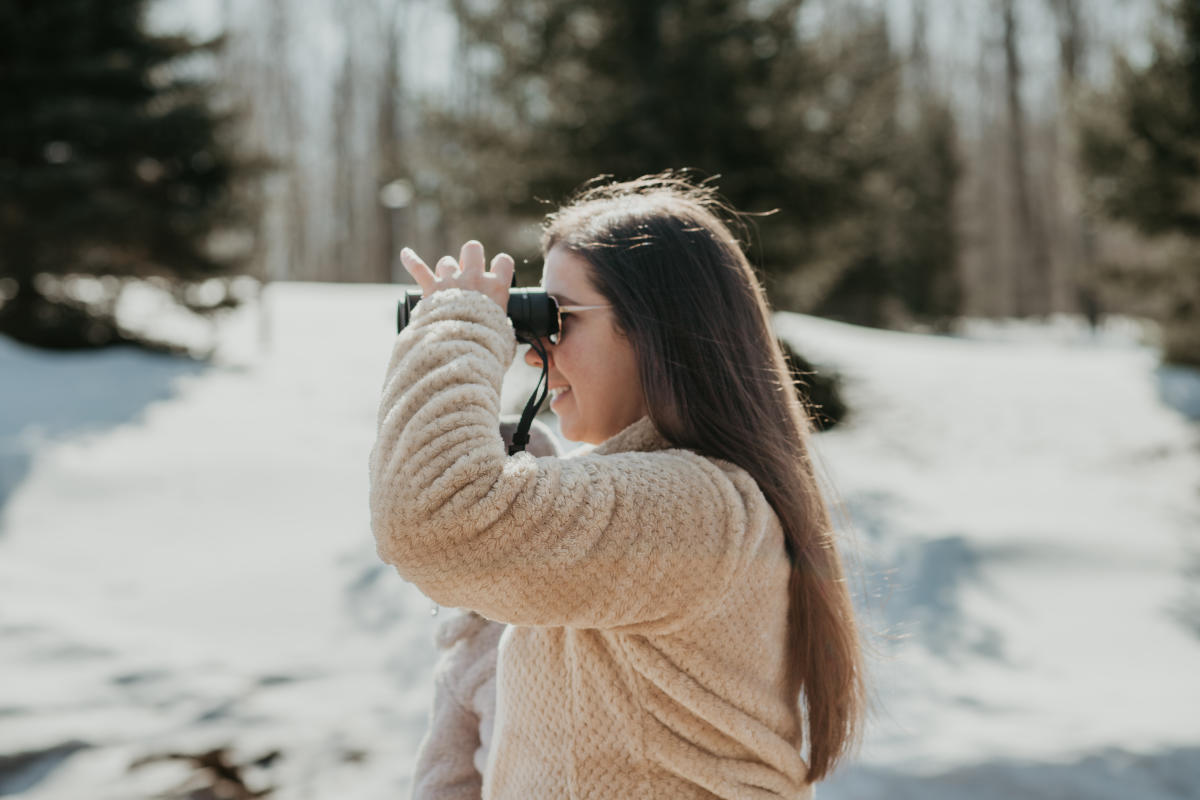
{"x": 564, "y": 312}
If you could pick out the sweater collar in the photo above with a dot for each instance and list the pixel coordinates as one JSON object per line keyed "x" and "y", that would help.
{"x": 641, "y": 436}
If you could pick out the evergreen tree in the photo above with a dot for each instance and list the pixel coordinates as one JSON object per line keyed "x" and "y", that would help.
{"x": 893, "y": 256}
{"x": 572, "y": 89}
{"x": 1143, "y": 154}
{"x": 927, "y": 258}
{"x": 112, "y": 164}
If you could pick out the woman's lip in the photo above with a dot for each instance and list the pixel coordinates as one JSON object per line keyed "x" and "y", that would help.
{"x": 560, "y": 395}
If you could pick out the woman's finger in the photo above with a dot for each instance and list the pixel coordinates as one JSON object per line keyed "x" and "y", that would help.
{"x": 471, "y": 258}
{"x": 418, "y": 269}
{"x": 447, "y": 267}
{"x": 503, "y": 268}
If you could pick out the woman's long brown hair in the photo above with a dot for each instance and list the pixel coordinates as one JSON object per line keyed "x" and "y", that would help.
{"x": 716, "y": 383}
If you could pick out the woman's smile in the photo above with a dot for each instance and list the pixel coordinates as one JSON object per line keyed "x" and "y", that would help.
{"x": 596, "y": 392}
{"x": 558, "y": 392}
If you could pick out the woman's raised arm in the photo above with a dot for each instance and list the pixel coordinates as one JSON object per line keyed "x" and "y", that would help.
{"x": 601, "y": 540}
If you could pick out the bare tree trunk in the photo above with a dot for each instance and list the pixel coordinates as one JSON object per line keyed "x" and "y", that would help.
{"x": 279, "y": 126}
{"x": 367, "y": 142}
{"x": 1032, "y": 266}
{"x": 922, "y": 72}
{"x": 345, "y": 247}
{"x": 1077, "y": 290}
{"x": 392, "y": 215}
{"x": 988, "y": 278}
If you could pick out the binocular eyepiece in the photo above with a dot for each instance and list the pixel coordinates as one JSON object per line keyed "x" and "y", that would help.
{"x": 534, "y": 313}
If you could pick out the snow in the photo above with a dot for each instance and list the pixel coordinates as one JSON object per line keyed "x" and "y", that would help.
{"x": 1037, "y": 503}
{"x": 186, "y": 562}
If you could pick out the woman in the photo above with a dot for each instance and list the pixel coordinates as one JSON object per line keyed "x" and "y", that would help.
{"x": 678, "y": 618}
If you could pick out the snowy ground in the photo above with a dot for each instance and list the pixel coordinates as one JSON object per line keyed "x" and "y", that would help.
{"x": 185, "y": 562}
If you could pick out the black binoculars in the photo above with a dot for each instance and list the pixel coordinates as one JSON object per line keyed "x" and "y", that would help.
{"x": 534, "y": 313}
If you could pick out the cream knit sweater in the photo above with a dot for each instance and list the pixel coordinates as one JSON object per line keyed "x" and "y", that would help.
{"x": 645, "y": 586}
{"x": 453, "y": 755}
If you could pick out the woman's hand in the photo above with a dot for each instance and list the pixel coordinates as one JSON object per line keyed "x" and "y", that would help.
{"x": 467, "y": 273}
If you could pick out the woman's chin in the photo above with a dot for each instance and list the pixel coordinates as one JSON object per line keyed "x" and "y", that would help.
{"x": 568, "y": 429}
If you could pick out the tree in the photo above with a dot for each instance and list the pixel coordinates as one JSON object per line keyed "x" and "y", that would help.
{"x": 370, "y": 166}
{"x": 902, "y": 245}
{"x": 926, "y": 255}
{"x": 1032, "y": 271}
{"x": 113, "y": 164}
{"x": 1075, "y": 239}
{"x": 1143, "y": 154}
{"x": 806, "y": 128}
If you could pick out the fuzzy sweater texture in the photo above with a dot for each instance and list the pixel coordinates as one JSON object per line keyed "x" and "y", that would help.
{"x": 644, "y": 586}
{"x": 453, "y": 755}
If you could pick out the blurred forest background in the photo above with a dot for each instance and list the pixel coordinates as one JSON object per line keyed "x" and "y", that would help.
{"x": 925, "y": 160}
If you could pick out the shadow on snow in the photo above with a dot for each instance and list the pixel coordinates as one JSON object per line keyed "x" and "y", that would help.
{"x": 914, "y": 587}
{"x": 49, "y": 396}
{"x": 1104, "y": 775}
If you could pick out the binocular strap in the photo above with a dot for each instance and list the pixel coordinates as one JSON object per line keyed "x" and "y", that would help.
{"x": 521, "y": 435}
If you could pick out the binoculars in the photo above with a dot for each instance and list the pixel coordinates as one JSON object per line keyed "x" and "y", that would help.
{"x": 534, "y": 313}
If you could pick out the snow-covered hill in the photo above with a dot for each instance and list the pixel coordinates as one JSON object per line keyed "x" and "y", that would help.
{"x": 185, "y": 562}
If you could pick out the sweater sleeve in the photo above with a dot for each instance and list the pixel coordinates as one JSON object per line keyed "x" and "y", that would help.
{"x": 445, "y": 768}
{"x": 602, "y": 540}
{"x": 449, "y": 760}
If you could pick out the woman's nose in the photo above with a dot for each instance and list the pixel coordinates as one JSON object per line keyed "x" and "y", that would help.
{"x": 533, "y": 359}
